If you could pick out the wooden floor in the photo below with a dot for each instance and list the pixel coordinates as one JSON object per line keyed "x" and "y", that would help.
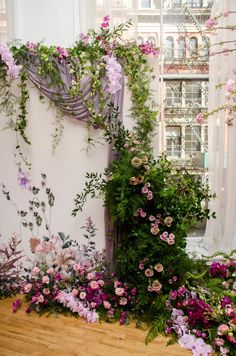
{"x": 22, "y": 334}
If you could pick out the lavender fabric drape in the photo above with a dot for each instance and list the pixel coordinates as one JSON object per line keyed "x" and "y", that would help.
{"x": 73, "y": 107}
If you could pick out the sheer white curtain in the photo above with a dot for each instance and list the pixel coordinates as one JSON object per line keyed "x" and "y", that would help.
{"x": 221, "y": 232}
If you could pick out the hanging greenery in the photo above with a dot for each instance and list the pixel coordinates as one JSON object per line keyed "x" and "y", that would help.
{"x": 82, "y": 80}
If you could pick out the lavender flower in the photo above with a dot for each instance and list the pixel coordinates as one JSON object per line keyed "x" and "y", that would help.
{"x": 23, "y": 180}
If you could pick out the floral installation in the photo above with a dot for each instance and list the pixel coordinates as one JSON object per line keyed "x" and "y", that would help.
{"x": 97, "y": 55}
{"x": 203, "y": 312}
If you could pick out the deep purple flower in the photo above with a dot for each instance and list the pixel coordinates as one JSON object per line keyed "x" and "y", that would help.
{"x": 218, "y": 270}
{"x": 225, "y": 301}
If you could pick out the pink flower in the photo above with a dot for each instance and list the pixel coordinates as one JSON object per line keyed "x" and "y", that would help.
{"x": 141, "y": 266}
{"x": 226, "y": 13}
{"x": 27, "y": 287}
{"x": 93, "y": 305}
{"x": 106, "y": 18}
{"x": 82, "y": 295}
{"x": 45, "y": 280}
{"x": 159, "y": 267}
{"x": 75, "y": 292}
{"x": 41, "y": 298}
{"x": 143, "y": 214}
{"x": 106, "y": 304}
{"x": 105, "y": 25}
{"x": 210, "y": 23}
{"x": 222, "y": 329}
{"x": 229, "y": 86}
{"x": 156, "y": 286}
{"x": 145, "y": 190}
{"x": 152, "y": 218}
{"x": 101, "y": 282}
{"x": 90, "y": 276}
{"x": 219, "y": 342}
{"x": 155, "y": 230}
{"x": 123, "y": 301}
{"x": 149, "y": 288}
{"x": 200, "y": 118}
{"x": 35, "y": 271}
{"x": 50, "y": 270}
{"x": 119, "y": 291}
{"x": 46, "y": 291}
{"x": 94, "y": 285}
{"x": 149, "y": 272}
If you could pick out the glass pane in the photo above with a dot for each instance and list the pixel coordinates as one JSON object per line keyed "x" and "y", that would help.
{"x": 145, "y": 4}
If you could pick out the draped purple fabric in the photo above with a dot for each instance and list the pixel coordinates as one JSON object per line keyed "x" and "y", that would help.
{"x": 73, "y": 107}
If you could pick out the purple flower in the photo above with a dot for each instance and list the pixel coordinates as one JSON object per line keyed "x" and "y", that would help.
{"x": 23, "y": 180}
{"x": 114, "y": 75}
{"x": 218, "y": 270}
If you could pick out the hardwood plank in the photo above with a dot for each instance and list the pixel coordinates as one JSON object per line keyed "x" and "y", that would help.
{"x": 31, "y": 335}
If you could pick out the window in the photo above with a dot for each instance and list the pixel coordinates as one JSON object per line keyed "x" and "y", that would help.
{"x": 192, "y": 143}
{"x": 173, "y": 94}
{"x": 205, "y": 48}
{"x": 177, "y": 3}
{"x": 150, "y": 4}
{"x": 173, "y": 141}
{"x": 194, "y": 3}
{"x": 3, "y": 21}
{"x": 193, "y": 93}
{"x": 169, "y": 48}
{"x": 193, "y": 46}
{"x": 182, "y": 48}
{"x": 145, "y": 4}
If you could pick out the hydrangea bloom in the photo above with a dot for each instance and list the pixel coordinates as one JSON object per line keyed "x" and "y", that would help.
{"x": 114, "y": 75}
{"x": 6, "y": 56}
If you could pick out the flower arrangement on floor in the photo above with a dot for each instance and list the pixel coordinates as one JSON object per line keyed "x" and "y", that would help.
{"x": 203, "y": 313}
{"x": 10, "y": 267}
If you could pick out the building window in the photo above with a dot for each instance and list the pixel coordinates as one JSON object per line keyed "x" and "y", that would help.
{"x": 145, "y": 4}
{"x": 194, "y": 3}
{"x": 150, "y": 4}
{"x": 193, "y": 93}
{"x": 173, "y": 94}
{"x": 192, "y": 143}
{"x": 193, "y": 46}
{"x": 205, "y": 48}
{"x": 182, "y": 48}
{"x": 169, "y": 48}
{"x": 173, "y": 141}
{"x": 177, "y": 3}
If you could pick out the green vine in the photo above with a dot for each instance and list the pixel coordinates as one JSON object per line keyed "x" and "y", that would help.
{"x": 21, "y": 121}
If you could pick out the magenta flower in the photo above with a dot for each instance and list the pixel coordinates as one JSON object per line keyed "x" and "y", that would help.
{"x": 210, "y": 23}
{"x": 200, "y": 118}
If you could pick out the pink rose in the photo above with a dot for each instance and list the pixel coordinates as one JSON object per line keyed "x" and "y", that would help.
{"x": 155, "y": 230}
{"x": 119, "y": 291}
{"x": 90, "y": 276}
{"x": 41, "y": 298}
{"x": 156, "y": 286}
{"x": 141, "y": 266}
{"x": 123, "y": 301}
{"x": 45, "y": 280}
{"x": 159, "y": 267}
{"x": 50, "y": 270}
{"x": 222, "y": 329}
{"x": 27, "y": 287}
{"x": 46, "y": 291}
{"x": 106, "y": 304}
{"x": 149, "y": 272}
{"x": 35, "y": 271}
{"x": 94, "y": 285}
{"x": 152, "y": 218}
{"x": 75, "y": 292}
{"x": 93, "y": 305}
